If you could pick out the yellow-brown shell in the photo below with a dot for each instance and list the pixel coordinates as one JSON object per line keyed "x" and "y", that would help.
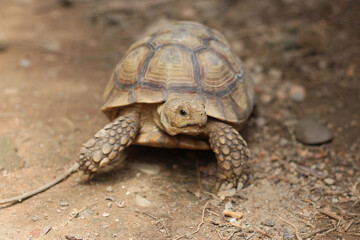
{"x": 187, "y": 59}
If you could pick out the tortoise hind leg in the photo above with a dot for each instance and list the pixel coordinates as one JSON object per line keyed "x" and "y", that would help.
{"x": 231, "y": 153}
{"x": 104, "y": 148}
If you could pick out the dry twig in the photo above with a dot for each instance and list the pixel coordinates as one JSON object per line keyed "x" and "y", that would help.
{"x": 251, "y": 229}
{"x": 331, "y": 214}
{"x": 201, "y": 223}
{"x": 230, "y": 236}
{"x": 78, "y": 212}
{"x": 317, "y": 231}
{"x": 348, "y": 225}
{"x": 292, "y": 225}
{"x": 157, "y": 221}
{"x": 62, "y": 177}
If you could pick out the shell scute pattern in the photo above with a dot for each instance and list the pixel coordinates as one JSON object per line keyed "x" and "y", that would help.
{"x": 184, "y": 60}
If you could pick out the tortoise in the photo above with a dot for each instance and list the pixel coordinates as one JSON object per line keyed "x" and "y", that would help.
{"x": 181, "y": 87}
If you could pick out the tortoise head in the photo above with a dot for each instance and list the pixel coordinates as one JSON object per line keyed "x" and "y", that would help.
{"x": 183, "y": 116}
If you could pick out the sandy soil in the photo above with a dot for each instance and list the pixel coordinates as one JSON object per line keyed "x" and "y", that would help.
{"x": 55, "y": 60}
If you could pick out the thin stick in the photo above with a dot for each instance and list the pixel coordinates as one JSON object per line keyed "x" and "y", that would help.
{"x": 201, "y": 223}
{"x": 348, "y": 225}
{"x": 20, "y": 198}
{"x": 247, "y": 238}
{"x": 296, "y": 230}
{"x": 158, "y": 221}
{"x": 328, "y": 231}
{"x": 202, "y": 219}
{"x": 317, "y": 231}
{"x": 218, "y": 233}
{"x": 230, "y": 236}
{"x": 251, "y": 229}
{"x": 78, "y": 212}
{"x": 331, "y": 214}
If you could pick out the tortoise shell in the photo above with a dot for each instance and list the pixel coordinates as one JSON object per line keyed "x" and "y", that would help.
{"x": 187, "y": 59}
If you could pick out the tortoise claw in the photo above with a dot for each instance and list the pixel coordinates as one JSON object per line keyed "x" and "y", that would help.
{"x": 231, "y": 152}
{"x": 105, "y": 147}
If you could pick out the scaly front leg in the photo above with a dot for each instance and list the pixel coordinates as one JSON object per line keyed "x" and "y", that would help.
{"x": 231, "y": 152}
{"x": 105, "y": 146}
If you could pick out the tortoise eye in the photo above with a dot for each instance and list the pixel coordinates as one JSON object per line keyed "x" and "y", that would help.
{"x": 183, "y": 112}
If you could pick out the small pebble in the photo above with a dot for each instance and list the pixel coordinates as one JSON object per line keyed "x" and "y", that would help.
{"x": 109, "y": 189}
{"x": 315, "y": 198}
{"x": 289, "y": 236}
{"x": 334, "y": 200}
{"x": 257, "y": 68}
{"x": 35, "y": 219}
{"x": 109, "y": 205}
{"x": 134, "y": 189}
{"x": 281, "y": 94}
{"x": 297, "y": 93}
{"x": 311, "y": 132}
{"x": 25, "y": 62}
{"x": 260, "y": 122}
{"x": 268, "y": 223}
{"x": 47, "y": 229}
{"x": 275, "y": 73}
{"x": 283, "y": 142}
{"x": 105, "y": 214}
{"x": 228, "y": 205}
{"x": 141, "y": 201}
{"x": 266, "y": 98}
{"x": 150, "y": 169}
{"x": 233, "y": 221}
{"x": 64, "y": 204}
{"x": 227, "y": 193}
{"x": 73, "y": 237}
{"x": 329, "y": 181}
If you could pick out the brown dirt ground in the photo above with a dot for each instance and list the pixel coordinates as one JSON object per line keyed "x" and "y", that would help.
{"x": 56, "y": 60}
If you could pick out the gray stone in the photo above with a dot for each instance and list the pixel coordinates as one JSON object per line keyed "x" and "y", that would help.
{"x": 268, "y": 223}
{"x": 228, "y": 205}
{"x": 329, "y": 181}
{"x": 141, "y": 201}
{"x": 311, "y": 132}
{"x": 64, "y": 203}
{"x": 227, "y": 193}
{"x": 260, "y": 122}
{"x": 109, "y": 189}
{"x": 150, "y": 169}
